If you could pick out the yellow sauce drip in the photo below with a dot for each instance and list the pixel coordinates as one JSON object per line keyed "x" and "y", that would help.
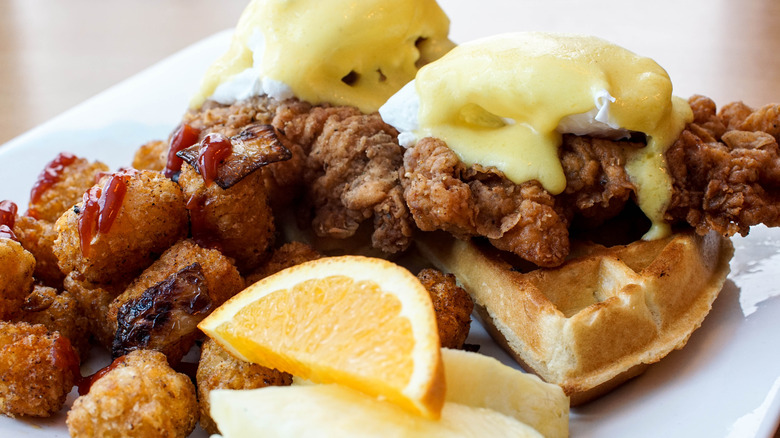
{"x": 498, "y": 101}
{"x": 343, "y": 52}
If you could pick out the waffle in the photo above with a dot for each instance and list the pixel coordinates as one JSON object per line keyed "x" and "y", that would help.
{"x": 600, "y": 318}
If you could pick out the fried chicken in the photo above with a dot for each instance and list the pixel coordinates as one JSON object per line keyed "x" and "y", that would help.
{"x": 139, "y": 396}
{"x": 442, "y": 193}
{"x": 452, "y": 304}
{"x": 37, "y": 370}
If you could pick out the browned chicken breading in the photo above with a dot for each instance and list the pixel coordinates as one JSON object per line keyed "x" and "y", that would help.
{"x": 288, "y": 255}
{"x": 16, "y": 277}
{"x": 442, "y": 193}
{"x": 452, "y": 304}
{"x": 150, "y": 217}
{"x": 58, "y": 311}
{"x": 161, "y": 309}
{"x": 38, "y": 236}
{"x": 352, "y": 176}
{"x": 726, "y": 168}
{"x": 238, "y": 220}
{"x": 139, "y": 396}
{"x": 37, "y": 370}
{"x": 61, "y": 185}
{"x": 217, "y": 369}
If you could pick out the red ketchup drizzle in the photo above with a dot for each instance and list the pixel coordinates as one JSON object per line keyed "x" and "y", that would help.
{"x": 214, "y": 149}
{"x": 184, "y": 137}
{"x": 202, "y": 231}
{"x": 85, "y": 383}
{"x": 101, "y": 206}
{"x": 7, "y": 219}
{"x": 49, "y": 176}
{"x": 64, "y": 357}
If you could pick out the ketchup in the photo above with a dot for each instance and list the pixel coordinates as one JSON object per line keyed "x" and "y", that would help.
{"x": 50, "y": 175}
{"x": 213, "y": 150}
{"x": 183, "y": 137}
{"x": 101, "y": 206}
{"x": 203, "y": 232}
{"x": 7, "y": 219}
{"x": 85, "y": 383}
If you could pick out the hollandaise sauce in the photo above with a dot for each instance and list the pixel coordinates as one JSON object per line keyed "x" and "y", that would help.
{"x": 343, "y": 52}
{"x": 499, "y": 102}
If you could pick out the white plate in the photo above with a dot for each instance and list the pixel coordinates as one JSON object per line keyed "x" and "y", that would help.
{"x": 725, "y": 383}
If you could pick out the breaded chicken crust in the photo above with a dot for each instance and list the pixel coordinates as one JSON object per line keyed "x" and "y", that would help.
{"x": 141, "y": 396}
{"x": 37, "y": 370}
{"x": 217, "y": 369}
{"x": 152, "y": 217}
{"x": 452, "y": 304}
{"x": 16, "y": 277}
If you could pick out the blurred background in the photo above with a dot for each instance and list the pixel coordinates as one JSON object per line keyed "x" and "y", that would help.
{"x": 55, "y": 54}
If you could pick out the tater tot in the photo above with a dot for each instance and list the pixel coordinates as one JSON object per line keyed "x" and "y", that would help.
{"x": 150, "y": 217}
{"x": 159, "y": 311}
{"x": 452, "y": 304}
{"x": 58, "y": 311}
{"x": 289, "y": 254}
{"x": 140, "y": 396}
{"x": 237, "y": 220}
{"x": 37, "y": 236}
{"x": 151, "y": 156}
{"x": 16, "y": 277}
{"x": 61, "y": 185}
{"x": 219, "y": 370}
{"x": 37, "y": 370}
{"x": 94, "y": 300}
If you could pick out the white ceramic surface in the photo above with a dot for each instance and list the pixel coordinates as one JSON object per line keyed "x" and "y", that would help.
{"x": 725, "y": 383}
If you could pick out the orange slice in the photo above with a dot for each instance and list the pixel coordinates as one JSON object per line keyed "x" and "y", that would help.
{"x": 361, "y": 322}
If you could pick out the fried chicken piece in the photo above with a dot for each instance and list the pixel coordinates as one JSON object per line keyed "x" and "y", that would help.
{"x": 151, "y": 156}
{"x": 597, "y": 184}
{"x": 442, "y": 193}
{"x": 16, "y": 277}
{"x": 37, "y": 370}
{"x": 160, "y": 310}
{"x": 93, "y": 300}
{"x": 140, "y": 396}
{"x": 352, "y": 176}
{"x": 452, "y": 304}
{"x": 217, "y": 369}
{"x": 38, "y": 236}
{"x": 69, "y": 178}
{"x": 726, "y": 181}
{"x": 288, "y": 255}
{"x": 237, "y": 220}
{"x": 152, "y": 217}
{"x": 58, "y": 311}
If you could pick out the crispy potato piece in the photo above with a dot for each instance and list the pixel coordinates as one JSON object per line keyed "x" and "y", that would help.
{"x": 94, "y": 299}
{"x": 58, "y": 312}
{"x": 16, "y": 277}
{"x": 140, "y": 396}
{"x": 452, "y": 304}
{"x": 37, "y": 370}
{"x": 152, "y": 217}
{"x": 219, "y": 370}
{"x": 151, "y": 156}
{"x": 38, "y": 236}
{"x": 70, "y": 181}
{"x": 166, "y": 311}
{"x": 238, "y": 221}
{"x": 289, "y": 254}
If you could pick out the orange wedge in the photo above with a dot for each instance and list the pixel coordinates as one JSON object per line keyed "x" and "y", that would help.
{"x": 361, "y": 322}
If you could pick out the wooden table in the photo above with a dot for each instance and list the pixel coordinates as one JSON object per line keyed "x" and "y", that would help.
{"x": 55, "y": 54}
